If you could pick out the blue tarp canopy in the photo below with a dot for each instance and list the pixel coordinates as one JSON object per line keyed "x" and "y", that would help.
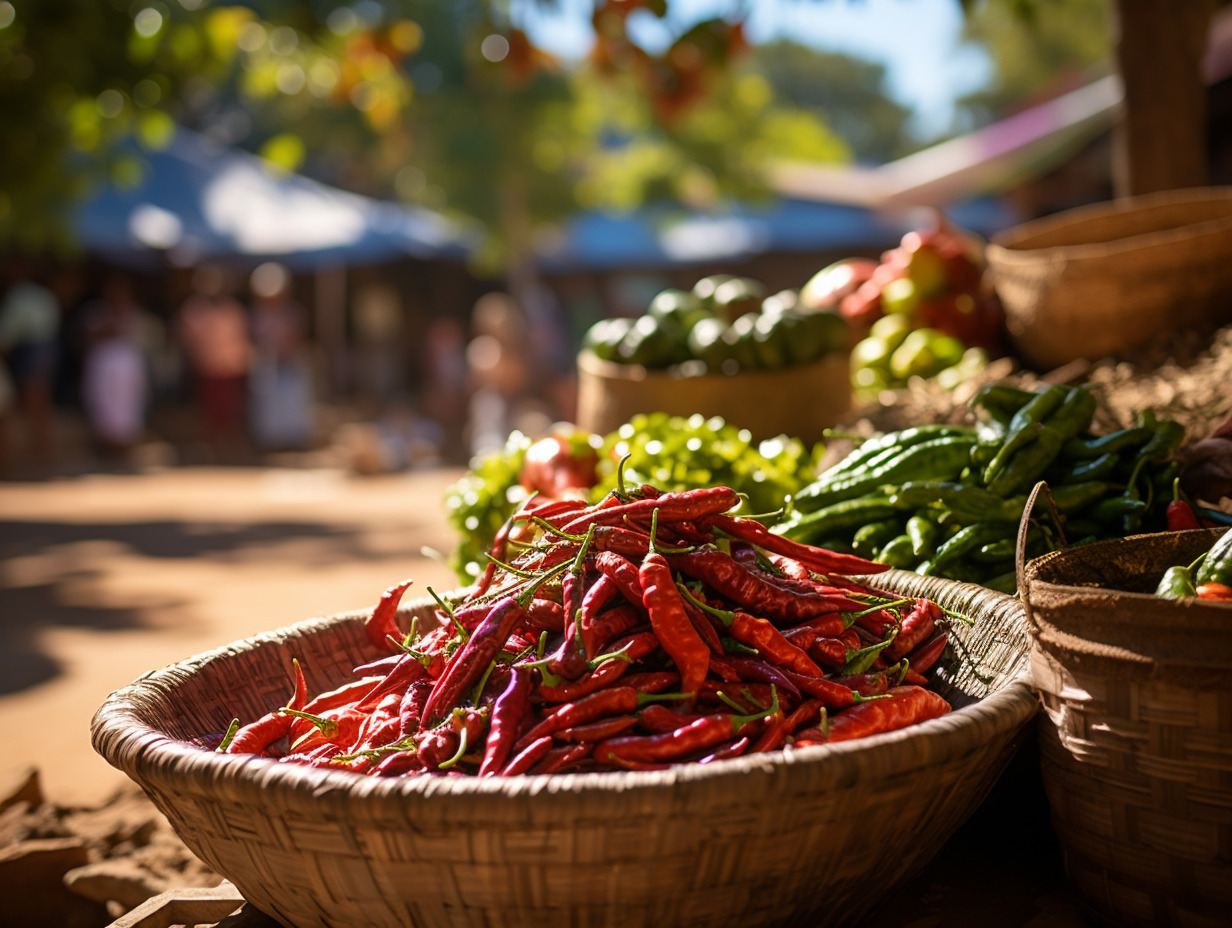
{"x": 200, "y": 202}
{"x": 652, "y": 239}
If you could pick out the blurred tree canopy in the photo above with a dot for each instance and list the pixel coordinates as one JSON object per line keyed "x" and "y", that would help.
{"x": 1042, "y": 47}
{"x": 449, "y": 105}
{"x": 444, "y": 104}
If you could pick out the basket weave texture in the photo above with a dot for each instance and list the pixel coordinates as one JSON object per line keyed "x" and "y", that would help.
{"x": 1100, "y": 280}
{"x": 1136, "y": 734}
{"x": 810, "y": 837}
{"x": 801, "y": 401}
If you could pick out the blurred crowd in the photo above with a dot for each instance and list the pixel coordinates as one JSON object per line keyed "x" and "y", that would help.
{"x": 233, "y": 373}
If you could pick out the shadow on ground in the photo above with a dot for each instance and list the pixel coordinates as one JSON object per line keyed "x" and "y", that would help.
{"x": 29, "y": 607}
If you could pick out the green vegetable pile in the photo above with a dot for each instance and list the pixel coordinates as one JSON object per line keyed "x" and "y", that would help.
{"x": 946, "y": 500}
{"x": 723, "y": 324}
{"x": 672, "y": 452}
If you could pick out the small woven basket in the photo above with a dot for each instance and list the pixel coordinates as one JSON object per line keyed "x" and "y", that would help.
{"x": 1136, "y": 734}
{"x": 1099, "y": 280}
{"x": 800, "y": 401}
{"x": 815, "y": 836}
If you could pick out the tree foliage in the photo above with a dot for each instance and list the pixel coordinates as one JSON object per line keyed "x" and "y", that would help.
{"x": 447, "y": 105}
{"x": 1035, "y": 48}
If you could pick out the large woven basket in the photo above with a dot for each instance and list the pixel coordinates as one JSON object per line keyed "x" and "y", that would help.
{"x": 815, "y": 836}
{"x": 1100, "y": 280}
{"x": 800, "y": 401}
{"x": 1136, "y": 736}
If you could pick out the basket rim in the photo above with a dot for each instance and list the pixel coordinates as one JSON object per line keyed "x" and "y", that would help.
{"x": 1002, "y": 247}
{"x": 149, "y": 755}
{"x": 590, "y": 363}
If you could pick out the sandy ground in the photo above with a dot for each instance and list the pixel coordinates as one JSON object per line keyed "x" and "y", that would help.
{"x": 104, "y": 577}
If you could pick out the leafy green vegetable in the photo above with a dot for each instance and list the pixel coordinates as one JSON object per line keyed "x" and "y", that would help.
{"x": 670, "y": 452}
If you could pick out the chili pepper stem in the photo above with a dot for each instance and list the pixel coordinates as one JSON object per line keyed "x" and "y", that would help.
{"x": 463, "y": 738}
{"x": 228, "y": 736}
{"x": 327, "y": 727}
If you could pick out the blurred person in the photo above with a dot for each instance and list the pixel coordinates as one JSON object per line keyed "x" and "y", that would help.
{"x": 377, "y": 318}
{"x": 29, "y": 329}
{"x": 114, "y": 378}
{"x": 280, "y": 386}
{"x": 213, "y": 335}
{"x": 443, "y": 362}
{"x": 499, "y": 369}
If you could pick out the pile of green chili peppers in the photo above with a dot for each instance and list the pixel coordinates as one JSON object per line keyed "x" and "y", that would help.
{"x": 946, "y": 500}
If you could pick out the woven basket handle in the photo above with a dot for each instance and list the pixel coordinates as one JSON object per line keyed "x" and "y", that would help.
{"x": 1020, "y": 548}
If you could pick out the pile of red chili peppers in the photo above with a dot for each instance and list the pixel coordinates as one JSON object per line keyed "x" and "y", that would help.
{"x": 645, "y": 630}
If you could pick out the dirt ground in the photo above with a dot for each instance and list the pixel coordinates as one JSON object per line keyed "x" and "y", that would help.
{"x": 103, "y": 577}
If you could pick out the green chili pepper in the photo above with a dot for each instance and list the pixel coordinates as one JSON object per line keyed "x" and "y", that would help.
{"x": 839, "y": 518}
{"x": 962, "y": 503}
{"x": 1176, "y": 583}
{"x": 1001, "y": 401}
{"x": 1079, "y": 448}
{"x": 869, "y": 538}
{"x": 923, "y": 534}
{"x": 1217, "y": 565}
{"x": 1167, "y": 437}
{"x": 964, "y": 541}
{"x": 934, "y": 459}
{"x": 899, "y": 552}
{"x": 1093, "y": 469}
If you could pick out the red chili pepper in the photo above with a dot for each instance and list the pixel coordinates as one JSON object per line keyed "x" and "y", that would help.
{"x": 398, "y": 764}
{"x": 704, "y": 626}
{"x": 916, "y": 627}
{"x": 651, "y": 681}
{"x": 686, "y": 506}
{"x": 616, "y": 700}
{"x": 616, "y": 621}
{"x": 659, "y": 718}
{"x": 299, "y": 698}
{"x": 819, "y": 560}
{"x": 927, "y": 654}
{"x": 698, "y": 735}
{"x": 257, "y": 737}
{"x": 723, "y": 752}
{"x": 759, "y": 633}
{"x": 411, "y": 707}
{"x": 544, "y": 615}
{"x": 829, "y": 652}
{"x": 1180, "y": 516}
{"x": 622, "y": 572}
{"x": 558, "y": 758}
{"x": 670, "y": 622}
{"x": 633, "y": 647}
{"x": 905, "y": 705}
{"x": 1214, "y": 592}
{"x": 472, "y": 659}
{"x": 344, "y": 695}
{"x": 380, "y": 624}
{"x": 873, "y": 683}
{"x": 523, "y": 761}
{"x": 509, "y": 714}
{"x": 597, "y": 730}
{"x": 406, "y": 671}
{"x": 756, "y": 670}
{"x": 724, "y": 575}
{"x": 832, "y": 693}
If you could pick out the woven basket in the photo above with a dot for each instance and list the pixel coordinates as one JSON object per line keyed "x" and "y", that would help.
{"x": 818, "y": 835}
{"x": 1099, "y": 280}
{"x": 1136, "y": 736}
{"x": 800, "y": 401}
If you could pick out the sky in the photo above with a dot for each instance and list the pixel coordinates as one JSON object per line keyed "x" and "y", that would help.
{"x": 916, "y": 40}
